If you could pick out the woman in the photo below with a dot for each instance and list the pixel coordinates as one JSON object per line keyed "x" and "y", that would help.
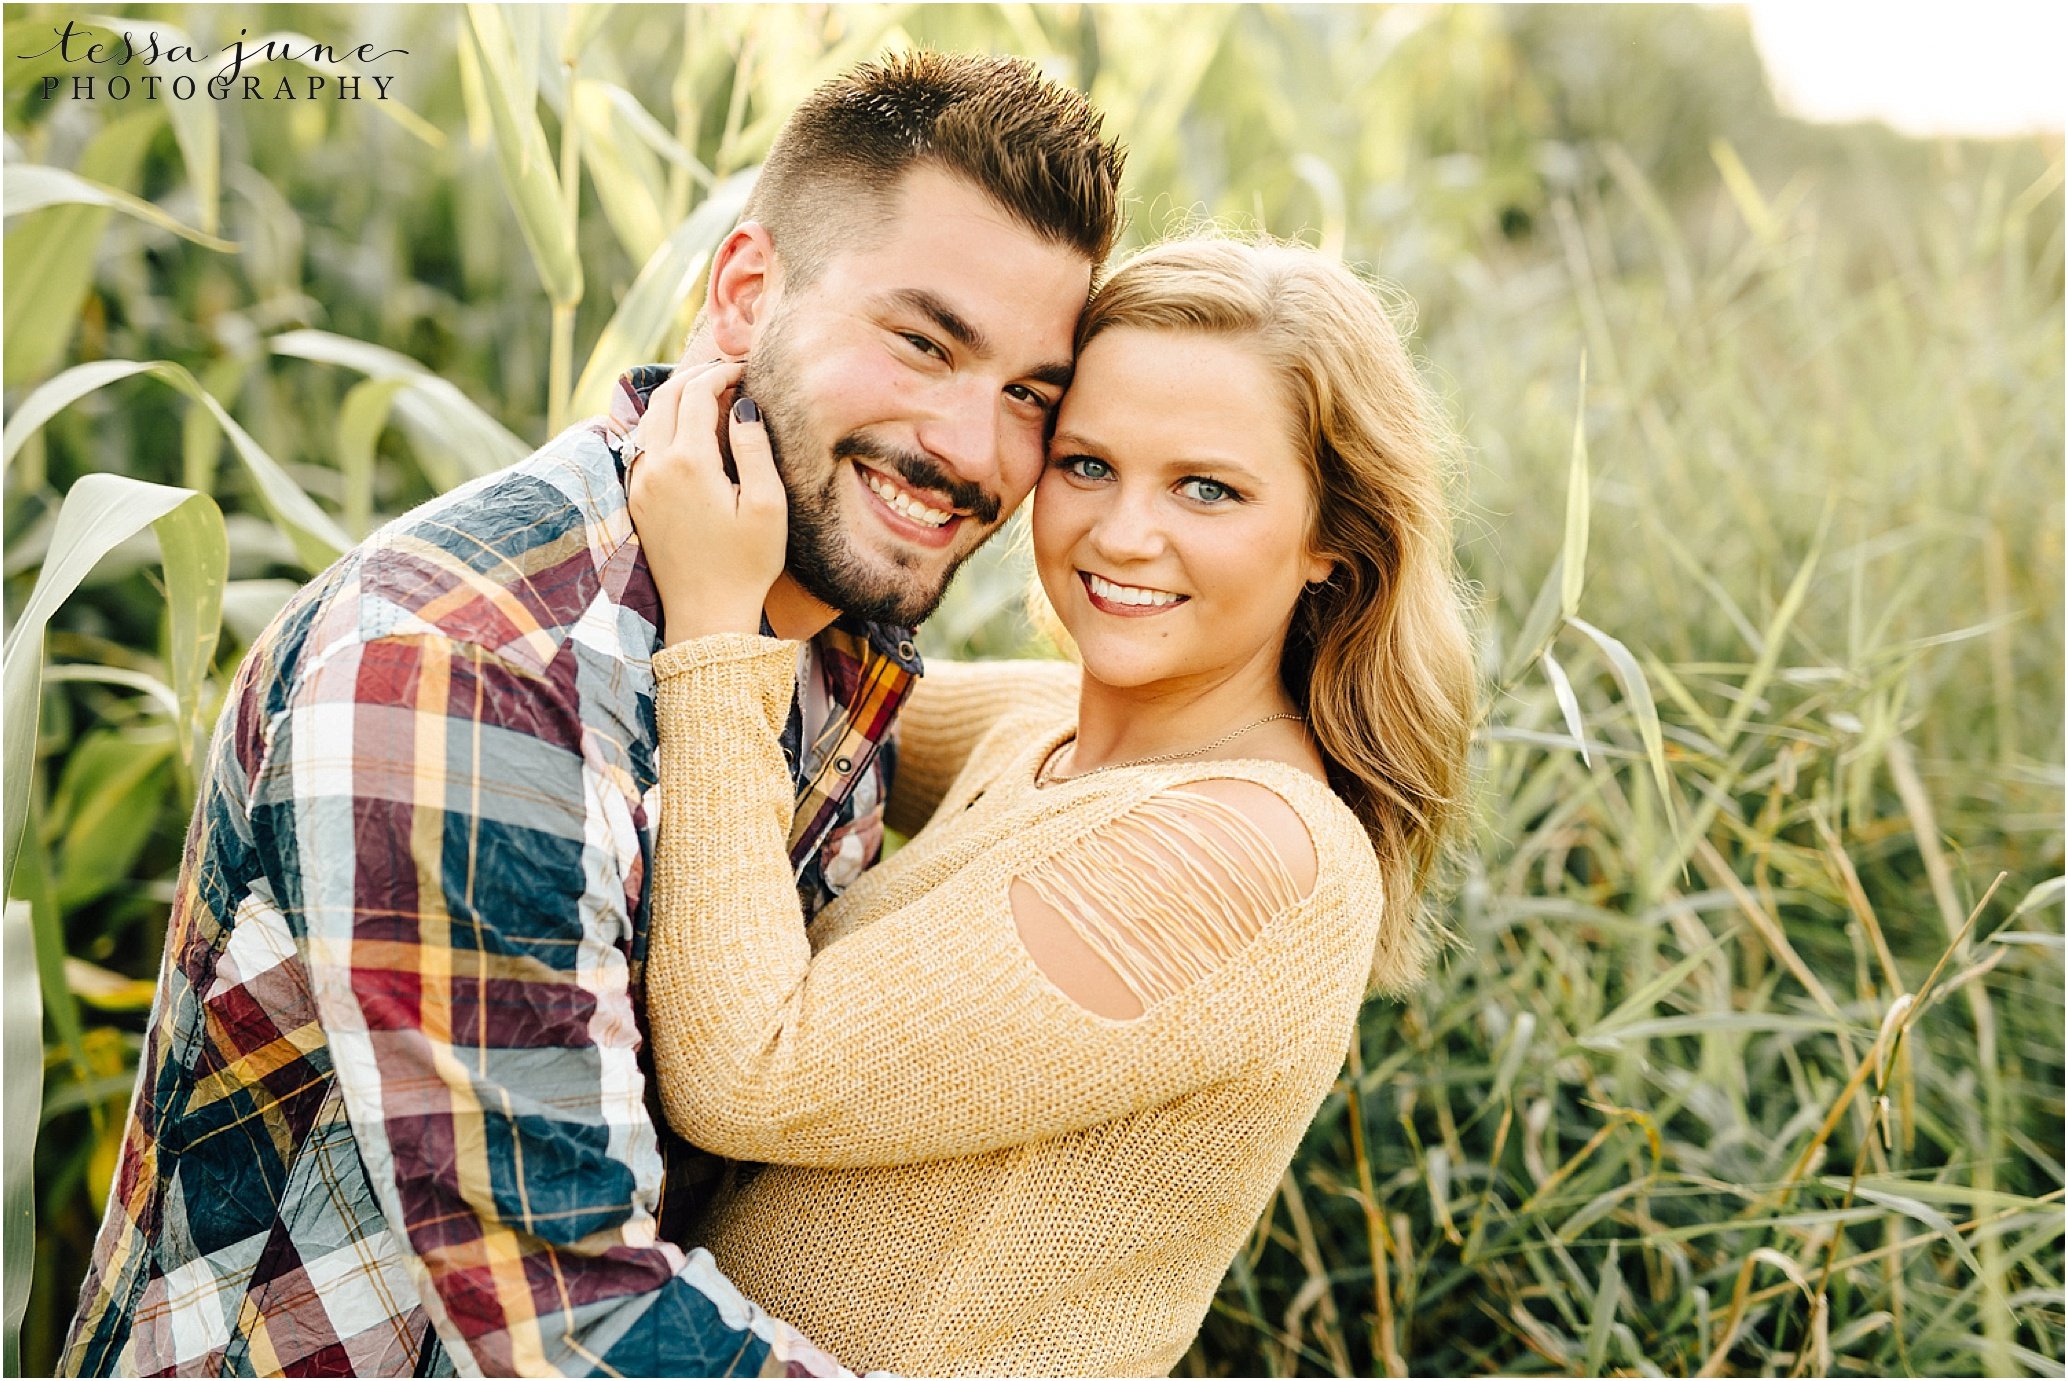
{"x": 1027, "y": 1086}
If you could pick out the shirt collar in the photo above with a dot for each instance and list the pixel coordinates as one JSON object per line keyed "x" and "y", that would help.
{"x": 628, "y": 403}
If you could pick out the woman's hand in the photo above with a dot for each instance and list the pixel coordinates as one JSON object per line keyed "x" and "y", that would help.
{"x": 713, "y": 546}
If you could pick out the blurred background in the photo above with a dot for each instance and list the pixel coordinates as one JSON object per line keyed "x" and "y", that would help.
{"x": 1750, "y": 1056}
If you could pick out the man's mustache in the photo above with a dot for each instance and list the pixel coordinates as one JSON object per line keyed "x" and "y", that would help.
{"x": 921, "y": 473}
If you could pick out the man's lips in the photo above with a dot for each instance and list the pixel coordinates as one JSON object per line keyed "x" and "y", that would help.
{"x": 921, "y": 478}
{"x": 904, "y": 513}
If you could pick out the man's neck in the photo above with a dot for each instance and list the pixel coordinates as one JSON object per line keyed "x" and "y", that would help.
{"x": 794, "y": 614}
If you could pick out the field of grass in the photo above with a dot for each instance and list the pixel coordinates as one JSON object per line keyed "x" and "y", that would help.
{"x": 1749, "y": 1059}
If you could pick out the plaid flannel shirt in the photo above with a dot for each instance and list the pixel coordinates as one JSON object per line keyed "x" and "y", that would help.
{"x": 394, "y": 1114}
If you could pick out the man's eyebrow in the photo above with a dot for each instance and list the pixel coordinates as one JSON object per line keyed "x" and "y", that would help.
{"x": 1057, "y": 374}
{"x": 963, "y": 332}
{"x": 951, "y": 322}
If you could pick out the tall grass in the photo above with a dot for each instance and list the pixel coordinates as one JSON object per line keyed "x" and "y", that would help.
{"x": 1741, "y": 1065}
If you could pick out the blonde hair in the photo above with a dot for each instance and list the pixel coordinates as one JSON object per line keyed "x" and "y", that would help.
{"x": 1378, "y": 657}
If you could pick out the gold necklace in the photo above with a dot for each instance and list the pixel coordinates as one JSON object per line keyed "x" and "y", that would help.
{"x": 1043, "y": 776}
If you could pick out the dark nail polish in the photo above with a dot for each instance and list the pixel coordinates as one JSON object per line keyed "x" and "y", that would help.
{"x": 743, "y": 410}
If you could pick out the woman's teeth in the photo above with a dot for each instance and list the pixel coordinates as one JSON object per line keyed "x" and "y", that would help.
{"x": 1127, "y": 594}
{"x": 903, "y": 502}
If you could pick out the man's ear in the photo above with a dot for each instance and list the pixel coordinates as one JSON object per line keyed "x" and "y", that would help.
{"x": 745, "y": 281}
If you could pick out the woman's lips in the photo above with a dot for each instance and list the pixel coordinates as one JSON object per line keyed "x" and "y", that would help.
{"x": 1126, "y": 611}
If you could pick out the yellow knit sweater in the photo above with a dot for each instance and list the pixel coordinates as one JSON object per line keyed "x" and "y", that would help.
{"x": 968, "y": 1172}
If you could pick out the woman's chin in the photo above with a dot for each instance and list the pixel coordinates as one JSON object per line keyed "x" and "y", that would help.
{"x": 1123, "y": 667}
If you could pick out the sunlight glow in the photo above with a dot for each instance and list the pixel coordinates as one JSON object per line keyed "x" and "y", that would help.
{"x": 1982, "y": 67}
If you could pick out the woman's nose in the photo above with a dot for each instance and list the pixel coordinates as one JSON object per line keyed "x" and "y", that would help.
{"x": 1129, "y": 528}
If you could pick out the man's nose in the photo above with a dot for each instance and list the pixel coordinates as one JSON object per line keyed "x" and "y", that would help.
{"x": 962, "y": 433}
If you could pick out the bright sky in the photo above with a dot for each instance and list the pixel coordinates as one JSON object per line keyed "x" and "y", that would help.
{"x": 1974, "y": 67}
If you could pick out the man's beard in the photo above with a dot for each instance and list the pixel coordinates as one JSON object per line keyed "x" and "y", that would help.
{"x": 822, "y": 558}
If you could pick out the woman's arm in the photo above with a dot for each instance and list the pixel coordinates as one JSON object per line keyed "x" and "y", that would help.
{"x": 959, "y": 1023}
{"x": 954, "y": 705}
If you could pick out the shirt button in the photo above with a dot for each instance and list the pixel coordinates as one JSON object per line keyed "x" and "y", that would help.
{"x": 843, "y": 764}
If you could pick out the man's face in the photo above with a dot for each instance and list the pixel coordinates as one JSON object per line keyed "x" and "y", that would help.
{"x": 908, "y": 391}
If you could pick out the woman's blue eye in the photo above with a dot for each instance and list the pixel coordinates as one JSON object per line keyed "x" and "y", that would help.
{"x": 1206, "y": 490}
{"x": 1084, "y": 467}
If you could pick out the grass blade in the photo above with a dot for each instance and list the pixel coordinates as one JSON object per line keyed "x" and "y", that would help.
{"x": 1568, "y": 704}
{"x": 1637, "y": 692}
{"x": 1572, "y": 564}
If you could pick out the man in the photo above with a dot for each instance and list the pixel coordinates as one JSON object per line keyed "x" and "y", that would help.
{"x": 392, "y": 1116}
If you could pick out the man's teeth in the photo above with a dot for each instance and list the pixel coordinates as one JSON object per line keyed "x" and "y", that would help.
{"x": 903, "y": 502}
{"x": 1128, "y": 594}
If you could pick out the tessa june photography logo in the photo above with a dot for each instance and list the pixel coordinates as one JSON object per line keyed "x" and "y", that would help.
{"x": 123, "y": 67}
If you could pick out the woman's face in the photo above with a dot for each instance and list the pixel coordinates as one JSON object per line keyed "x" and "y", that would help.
{"x": 1170, "y": 527}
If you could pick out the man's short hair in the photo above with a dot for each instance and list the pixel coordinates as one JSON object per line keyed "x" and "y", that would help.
{"x": 1029, "y": 144}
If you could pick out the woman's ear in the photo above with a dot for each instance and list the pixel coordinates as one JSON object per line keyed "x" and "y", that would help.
{"x": 745, "y": 281}
{"x": 1321, "y": 568}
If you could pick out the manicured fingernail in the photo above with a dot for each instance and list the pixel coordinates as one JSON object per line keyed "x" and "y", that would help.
{"x": 743, "y": 410}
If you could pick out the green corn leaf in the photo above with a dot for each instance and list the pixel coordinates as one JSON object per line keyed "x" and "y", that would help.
{"x": 455, "y": 440}
{"x": 526, "y": 162}
{"x": 361, "y": 419}
{"x": 638, "y": 330}
{"x": 99, "y": 513}
{"x": 50, "y": 253}
{"x": 317, "y": 538}
{"x": 106, "y": 805}
{"x": 196, "y": 551}
{"x": 626, "y": 175}
{"x": 195, "y": 124}
{"x": 32, "y": 186}
{"x": 653, "y": 134}
{"x": 22, "y": 1023}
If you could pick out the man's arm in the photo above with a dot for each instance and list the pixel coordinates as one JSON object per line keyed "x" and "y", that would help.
{"x": 456, "y": 876}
